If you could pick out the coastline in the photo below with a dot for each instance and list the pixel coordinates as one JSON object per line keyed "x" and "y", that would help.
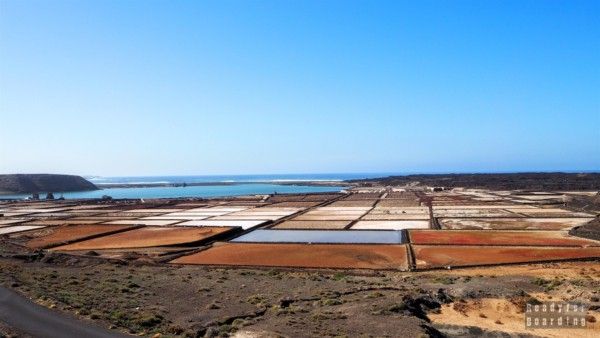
{"x": 200, "y": 184}
{"x": 174, "y": 191}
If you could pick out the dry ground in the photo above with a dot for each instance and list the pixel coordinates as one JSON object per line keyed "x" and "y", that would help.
{"x": 194, "y": 301}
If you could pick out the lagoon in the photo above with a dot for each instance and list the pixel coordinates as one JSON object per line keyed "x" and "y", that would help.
{"x": 190, "y": 191}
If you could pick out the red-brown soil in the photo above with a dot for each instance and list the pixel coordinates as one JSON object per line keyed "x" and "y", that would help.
{"x": 342, "y": 256}
{"x": 492, "y": 237}
{"x": 437, "y": 256}
{"x": 53, "y": 236}
{"x": 148, "y": 237}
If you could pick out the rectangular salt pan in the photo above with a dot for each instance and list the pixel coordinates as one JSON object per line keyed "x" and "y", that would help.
{"x": 12, "y": 214}
{"x": 188, "y": 218}
{"x": 226, "y": 209}
{"x": 375, "y": 217}
{"x": 215, "y": 223}
{"x": 35, "y": 210}
{"x": 261, "y": 213}
{"x": 391, "y": 225}
{"x": 4, "y": 222}
{"x": 145, "y": 222}
{"x": 154, "y": 210}
{"x": 248, "y": 218}
{"x": 365, "y": 209}
{"x": 326, "y": 217}
{"x": 323, "y": 236}
{"x": 19, "y": 228}
{"x": 207, "y": 214}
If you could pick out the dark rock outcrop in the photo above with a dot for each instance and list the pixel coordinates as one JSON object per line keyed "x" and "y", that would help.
{"x": 590, "y": 230}
{"x": 43, "y": 183}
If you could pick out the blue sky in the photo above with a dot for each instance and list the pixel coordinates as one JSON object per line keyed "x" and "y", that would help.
{"x": 231, "y": 87}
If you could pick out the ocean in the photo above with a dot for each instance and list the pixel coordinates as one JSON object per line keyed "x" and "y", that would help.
{"x": 237, "y": 185}
{"x": 98, "y": 180}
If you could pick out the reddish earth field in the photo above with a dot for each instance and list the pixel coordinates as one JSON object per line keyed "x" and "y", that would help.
{"x": 149, "y": 237}
{"x": 54, "y": 236}
{"x": 338, "y": 256}
{"x": 437, "y": 256}
{"x": 492, "y": 237}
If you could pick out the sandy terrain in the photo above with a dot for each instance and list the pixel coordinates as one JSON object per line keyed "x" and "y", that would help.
{"x": 498, "y": 314}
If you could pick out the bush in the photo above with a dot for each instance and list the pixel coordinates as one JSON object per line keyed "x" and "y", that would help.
{"x": 150, "y": 321}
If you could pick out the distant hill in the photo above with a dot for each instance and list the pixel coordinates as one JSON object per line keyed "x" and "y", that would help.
{"x": 43, "y": 183}
{"x": 528, "y": 181}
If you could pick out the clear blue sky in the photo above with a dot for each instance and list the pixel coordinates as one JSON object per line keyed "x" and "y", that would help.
{"x": 230, "y": 87}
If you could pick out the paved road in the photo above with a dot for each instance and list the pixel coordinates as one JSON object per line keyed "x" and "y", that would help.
{"x": 24, "y": 315}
